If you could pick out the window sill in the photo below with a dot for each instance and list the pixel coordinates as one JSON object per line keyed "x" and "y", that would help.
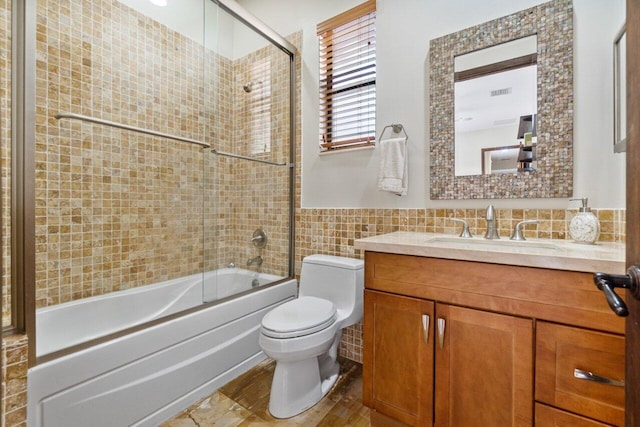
{"x": 346, "y": 150}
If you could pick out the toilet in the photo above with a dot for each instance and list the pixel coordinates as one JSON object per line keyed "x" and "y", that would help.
{"x": 303, "y": 335}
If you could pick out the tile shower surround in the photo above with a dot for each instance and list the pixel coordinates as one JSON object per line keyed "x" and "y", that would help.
{"x": 108, "y": 201}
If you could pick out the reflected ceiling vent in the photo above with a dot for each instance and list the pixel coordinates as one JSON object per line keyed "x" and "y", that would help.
{"x": 499, "y": 92}
{"x": 504, "y": 122}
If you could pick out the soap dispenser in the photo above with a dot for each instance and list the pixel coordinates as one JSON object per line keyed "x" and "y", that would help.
{"x": 584, "y": 227}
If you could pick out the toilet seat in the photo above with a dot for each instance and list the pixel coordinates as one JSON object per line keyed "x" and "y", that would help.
{"x": 299, "y": 317}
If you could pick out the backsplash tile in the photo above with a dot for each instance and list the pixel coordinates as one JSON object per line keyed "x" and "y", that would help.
{"x": 333, "y": 232}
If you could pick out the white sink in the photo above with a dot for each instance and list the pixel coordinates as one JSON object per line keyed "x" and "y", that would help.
{"x": 460, "y": 242}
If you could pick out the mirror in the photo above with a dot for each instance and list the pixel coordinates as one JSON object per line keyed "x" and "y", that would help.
{"x": 620, "y": 89}
{"x": 495, "y": 96}
{"x": 544, "y": 166}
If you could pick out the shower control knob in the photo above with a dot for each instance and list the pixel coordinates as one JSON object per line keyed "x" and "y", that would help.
{"x": 259, "y": 238}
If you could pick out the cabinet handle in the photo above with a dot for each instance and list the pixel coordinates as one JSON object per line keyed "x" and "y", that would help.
{"x": 425, "y": 328}
{"x": 589, "y": 376}
{"x": 441, "y": 325}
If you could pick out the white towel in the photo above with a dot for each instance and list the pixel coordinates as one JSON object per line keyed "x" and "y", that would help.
{"x": 393, "y": 172}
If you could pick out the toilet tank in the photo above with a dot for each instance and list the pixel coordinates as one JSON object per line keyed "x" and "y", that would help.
{"x": 337, "y": 279}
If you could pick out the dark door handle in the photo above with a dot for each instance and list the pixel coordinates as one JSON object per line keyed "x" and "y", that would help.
{"x": 608, "y": 282}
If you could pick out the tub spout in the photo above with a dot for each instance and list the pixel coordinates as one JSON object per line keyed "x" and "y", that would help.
{"x": 257, "y": 261}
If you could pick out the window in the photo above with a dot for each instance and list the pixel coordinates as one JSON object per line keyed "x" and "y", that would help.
{"x": 348, "y": 79}
{"x": 258, "y": 97}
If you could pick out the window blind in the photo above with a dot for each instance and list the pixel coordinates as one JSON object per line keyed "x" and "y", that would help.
{"x": 348, "y": 78}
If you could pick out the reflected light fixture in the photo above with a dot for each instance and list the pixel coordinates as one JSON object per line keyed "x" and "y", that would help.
{"x": 161, "y": 3}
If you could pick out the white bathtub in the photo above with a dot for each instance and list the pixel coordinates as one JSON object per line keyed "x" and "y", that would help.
{"x": 75, "y": 322}
{"x": 145, "y": 377}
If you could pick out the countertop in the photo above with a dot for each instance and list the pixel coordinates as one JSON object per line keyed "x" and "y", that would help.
{"x": 553, "y": 254}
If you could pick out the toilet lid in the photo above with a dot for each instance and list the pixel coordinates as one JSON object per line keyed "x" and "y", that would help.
{"x": 301, "y": 316}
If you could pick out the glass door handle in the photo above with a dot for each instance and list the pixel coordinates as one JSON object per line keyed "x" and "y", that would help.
{"x": 608, "y": 282}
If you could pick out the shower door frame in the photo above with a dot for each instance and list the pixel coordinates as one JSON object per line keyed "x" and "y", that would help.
{"x": 23, "y": 122}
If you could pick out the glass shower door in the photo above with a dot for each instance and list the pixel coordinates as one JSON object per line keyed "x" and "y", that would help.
{"x": 248, "y": 173}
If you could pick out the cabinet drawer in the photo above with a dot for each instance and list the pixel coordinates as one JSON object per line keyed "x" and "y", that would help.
{"x": 547, "y": 416}
{"x": 560, "y": 350}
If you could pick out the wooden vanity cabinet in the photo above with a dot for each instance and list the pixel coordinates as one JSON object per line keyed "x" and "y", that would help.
{"x": 399, "y": 360}
{"x": 496, "y": 320}
{"x": 483, "y": 370}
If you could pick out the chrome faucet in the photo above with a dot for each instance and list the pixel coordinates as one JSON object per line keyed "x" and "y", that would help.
{"x": 492, "y": 232}
{"x": 257, "y": 261}
{"x": 517, "y": 230}
{"x": 465, "y": 228}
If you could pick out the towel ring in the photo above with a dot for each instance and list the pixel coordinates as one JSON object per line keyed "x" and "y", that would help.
{"x": 395, "y": 128}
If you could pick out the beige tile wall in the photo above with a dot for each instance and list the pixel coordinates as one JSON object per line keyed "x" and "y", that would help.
{"x": 14, "y": 381}
{"x": 109, "y": 201}
{"x": 116, "y": 210}
{"x": 333, "y": 231}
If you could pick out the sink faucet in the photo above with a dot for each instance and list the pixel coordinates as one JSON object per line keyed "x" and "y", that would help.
{"x": 492, "y": 232}
{"x": 517, "y": 230}
{"x": 257, "y": 261}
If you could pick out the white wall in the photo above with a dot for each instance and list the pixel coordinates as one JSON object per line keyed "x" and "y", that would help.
{"x": 404, "y": 28}
{"x": 469, "y": 145}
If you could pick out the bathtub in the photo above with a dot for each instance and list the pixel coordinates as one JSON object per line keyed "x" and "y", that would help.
{"x": 149, "y": 375}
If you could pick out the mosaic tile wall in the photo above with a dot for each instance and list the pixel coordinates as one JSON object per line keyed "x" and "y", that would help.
{"x": 14, "y": 381}
{"x": 108, "y": 201}
{"x": 553, "y": 24}
{"x": 5, "y": 155}
{"x": 333, "y": 232}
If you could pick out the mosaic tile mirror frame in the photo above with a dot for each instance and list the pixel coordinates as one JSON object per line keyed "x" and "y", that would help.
{"x": 553, "y": 24}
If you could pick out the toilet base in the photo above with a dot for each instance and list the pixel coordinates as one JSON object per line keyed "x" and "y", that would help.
{"x": 298, "y": 385}
{"x": 289, "y": 398}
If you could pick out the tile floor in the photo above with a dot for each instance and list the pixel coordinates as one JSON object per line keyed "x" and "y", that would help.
{"x": 244, "y": 402}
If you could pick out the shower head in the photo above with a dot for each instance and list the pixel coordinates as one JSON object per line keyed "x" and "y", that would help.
{"x": 249, "y": 86}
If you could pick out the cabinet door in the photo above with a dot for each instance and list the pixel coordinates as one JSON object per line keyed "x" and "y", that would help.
{"x": 484, "y": 369}
{"x": 398, "y": 357}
